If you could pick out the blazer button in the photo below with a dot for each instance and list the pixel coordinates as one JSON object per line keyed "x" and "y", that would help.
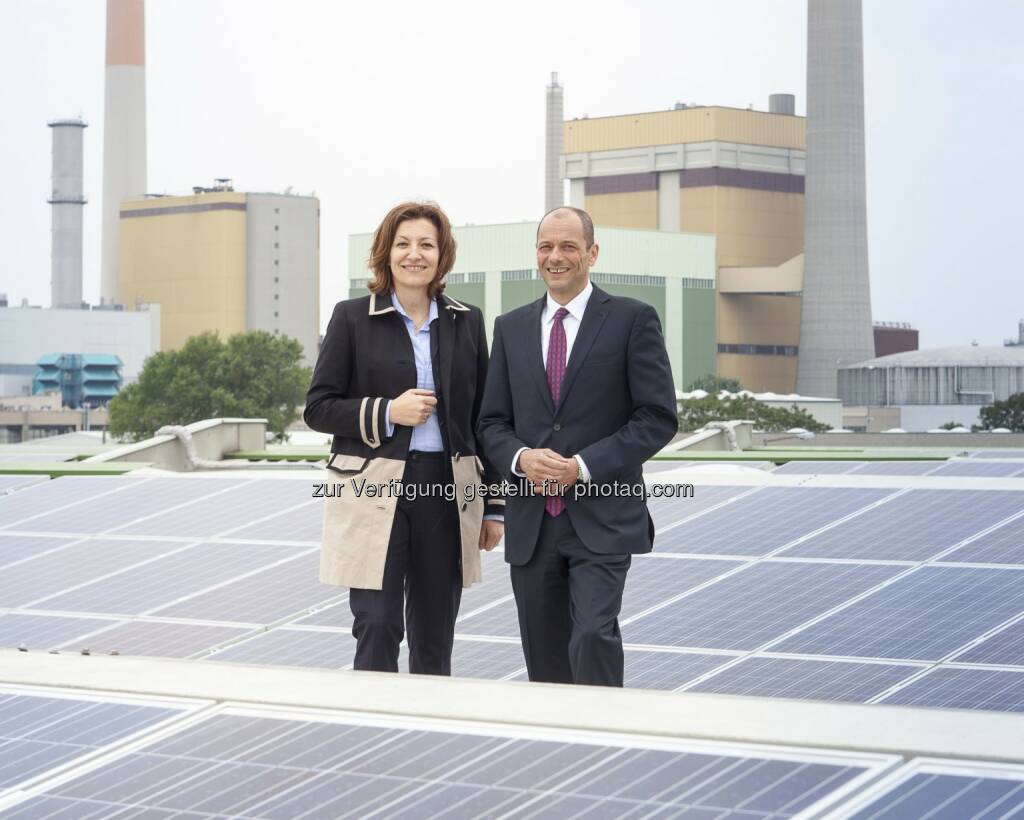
{"x": 558, "y": 427}
{"x": 457, "y": 456}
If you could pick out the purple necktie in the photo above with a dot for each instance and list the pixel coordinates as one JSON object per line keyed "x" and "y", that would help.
{"x": 557, "y": 346}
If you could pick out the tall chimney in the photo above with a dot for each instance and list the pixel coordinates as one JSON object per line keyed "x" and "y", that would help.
{"x": 68, "y": 203}
{"x": 124, "y": 128}
{"x": 554, "y": 196}
{"x": 835, "y": 321}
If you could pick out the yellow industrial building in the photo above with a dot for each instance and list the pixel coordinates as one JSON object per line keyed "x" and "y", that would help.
{"x": 735, "y": 174}
{"x": 223, "y": 260}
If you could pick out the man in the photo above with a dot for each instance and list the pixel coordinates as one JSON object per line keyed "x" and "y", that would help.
{"x": 579, "y": 394}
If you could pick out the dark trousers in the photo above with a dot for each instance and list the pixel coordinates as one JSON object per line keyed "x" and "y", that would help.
{"x": 422, "y": 581}
{"x": 569, "y": 600}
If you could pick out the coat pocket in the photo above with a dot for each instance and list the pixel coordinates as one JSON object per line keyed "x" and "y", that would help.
{"x": 346, "y": 465}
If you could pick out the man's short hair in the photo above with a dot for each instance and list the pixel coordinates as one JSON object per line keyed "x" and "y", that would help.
{"x": 588, "y": 223}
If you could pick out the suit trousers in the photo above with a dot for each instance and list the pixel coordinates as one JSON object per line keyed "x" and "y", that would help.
{"x": 422, "y": 585}
{"x": 569, "y": 600}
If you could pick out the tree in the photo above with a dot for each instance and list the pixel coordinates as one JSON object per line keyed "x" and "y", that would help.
{"x": 710, "y": 383}
{"x": 695, "y": 413}
{"x": 1008, "y": 414}
{"x": 252, "y": 375}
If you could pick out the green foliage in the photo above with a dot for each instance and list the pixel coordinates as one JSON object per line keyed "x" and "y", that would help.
{"x": 1008, "y": 414}
{"x": 710, "y": 383}
{"x": 252, "y": 375}
{"x": 695, "y": 413}
{"x": 951, "y": 425}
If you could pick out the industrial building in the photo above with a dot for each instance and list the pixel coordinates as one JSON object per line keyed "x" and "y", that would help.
{"x": 226, "y": 261}
{"x": 933, "y": 387}
{"x": 496, "y": 270}
{"x": 894, "y": 337}
{"x": 737, "y": 175}
{"x": 27, "y": 334}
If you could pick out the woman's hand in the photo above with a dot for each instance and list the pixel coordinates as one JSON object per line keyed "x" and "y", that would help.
{"x": 413, "y": 407}
{"x": 490, "y": 534}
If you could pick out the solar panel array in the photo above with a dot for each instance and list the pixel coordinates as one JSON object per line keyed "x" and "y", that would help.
{"x": 857, "y": 594}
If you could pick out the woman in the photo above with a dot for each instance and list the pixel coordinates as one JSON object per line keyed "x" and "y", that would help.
{"x": 398, "y": 383}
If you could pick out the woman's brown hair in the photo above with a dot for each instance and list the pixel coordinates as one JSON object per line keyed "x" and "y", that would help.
{"x": 384, "y": 238}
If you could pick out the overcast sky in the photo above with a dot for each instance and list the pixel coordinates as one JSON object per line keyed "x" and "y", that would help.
{"x": 369, "y": 103}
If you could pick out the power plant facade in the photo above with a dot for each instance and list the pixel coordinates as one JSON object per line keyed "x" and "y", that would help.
{"x": 124, "y": 128}
{"x": 734, "y": 175}
{"x": 835, "y": 323}
{"x": 67, "y": 201}
{"x": 225, "y": 261}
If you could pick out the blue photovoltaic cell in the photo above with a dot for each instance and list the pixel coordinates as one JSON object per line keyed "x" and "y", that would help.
{"x": 222, "y": 514}
{"x": 998, "y": 454}
{"x": 969, "y": 468}
{"x": 1004, "y": 545}
{"x": 896, "y": 468}
{"x": 766, "y": 520}
{"x": 817, "y": 467}
{"x": 798, "y": 678}
{"x": 653, "y": 579}
{"x": 164, "y": 581}
{"x": 18, "y": 547}
{"x": 39, "y": 733}
{"x": 159, "y": 640}
{"x": 261, "y": 767}
{"x": 70, "y": 566}
{"x": 338, "y": 615}
{"x": 44, "y": 632}
{"x": 667, "y": 670}
{"x": 293, "y": 647}
{"x": 264, "y": 597}
{"x": 955, "y": 688}
{"x": 914, "y": 526}
{"x": 499, "y": 620}
{"x": 10, "y": 483}
{"x": 134, "y": 498}
{"x": 305, "y": 523}
{"x": 756, "y": 605}
{"x": 1005, "y": 648}
{"x": 922, "y": 616}
{"x": 485, "y": 659}
{"x": 667, "y": 511}
{"x": 948, "y": 797}
{"x": 17, "y": 508}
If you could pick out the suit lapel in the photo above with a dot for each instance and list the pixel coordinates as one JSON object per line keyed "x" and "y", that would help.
{"x": 445, "y": 346}
{"x": 534, "y": 355}
{"x": 593, "y": 318}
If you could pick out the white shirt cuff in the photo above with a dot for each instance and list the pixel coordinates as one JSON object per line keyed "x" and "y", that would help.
{"x": 499, "y": 518}
{"x": 515, "y": 461}
{"x": 584, "y": 472}
{"x": 387, "y": 418}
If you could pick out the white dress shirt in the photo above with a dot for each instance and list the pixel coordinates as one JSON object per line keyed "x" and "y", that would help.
{"x": 571, "y": 323}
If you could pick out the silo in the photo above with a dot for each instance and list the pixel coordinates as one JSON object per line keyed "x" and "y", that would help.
{"x": 67, "y": 202}
{"x": 835, "y": 321}
{"x": 782, "y": 104}
{"x": 554, "y": 196}
{"x": 124, "y": 128}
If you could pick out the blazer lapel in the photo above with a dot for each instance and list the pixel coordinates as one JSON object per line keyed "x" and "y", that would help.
{"x": 445, "y": 346}
{"x": 593, "y": 318}
{"x": 534, "y": 355}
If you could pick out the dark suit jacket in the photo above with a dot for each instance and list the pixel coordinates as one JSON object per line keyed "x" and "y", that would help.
{"x": 617, "y": 409}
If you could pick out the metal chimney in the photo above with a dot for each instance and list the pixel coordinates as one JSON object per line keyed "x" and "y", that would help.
{"x": 835, "y": 321}
{"x": 554, "y": 192}
{"x": 68, "y": 203}
{"x": 124, "y": 128}
{"x": 782, "y": 104}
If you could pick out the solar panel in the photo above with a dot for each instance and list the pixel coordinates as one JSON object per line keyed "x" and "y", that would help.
{"x": 766, "y": 520}
{"x": 800, "y": 678}
{"x": 1004, "y": 545}
{"x": 486, "y": 659}
{"x": 907, "y": 468}
{"x": 217, "y": 511}
{"x": 647, "y": 669}
{"x": 653, "y": 579}
{"x": 39, "y": 733}
{"x": 246, "y": 765}
{"x": 156, "y": 639}
{"x": 970, "y": 468}
{"x": 1005, "y": 647}
{"x": 10, "y": 483}
{"x": 756, "y": 605}
{"x": 293, "y": 647}
{"x": 19, "y": 547}
{"x": 304, "y": 523}
{"x": 667, "y": 511}
{"x": 169, "y": 578}
{"x": 18, "y": 510}
{"x": 916, "y": 525}
{"x": 975, "y": 793}
{"x": 923, "y": 616}
{"x": 43, "y": 632}
{"x": 963, "y": 688}
{"x": 816, "y": 467}
{"x": 998, "y": 454}
{"x": 499, "y": 619}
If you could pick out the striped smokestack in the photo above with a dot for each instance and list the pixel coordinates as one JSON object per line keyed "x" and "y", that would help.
{"x": 124, "y": 128}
